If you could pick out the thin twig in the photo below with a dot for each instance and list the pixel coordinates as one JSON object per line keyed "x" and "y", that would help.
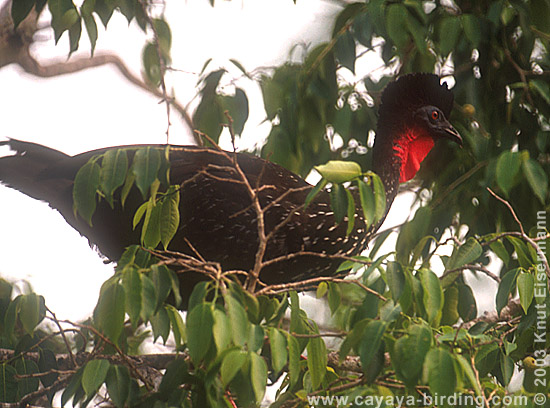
{"x": 474, "y": 268}
{"x": 54, "y": 318}
{"x": 540, "y": 255}
{"x": 512, "y": 234}
{"x": 507, "y": 204}
{"x": 316, "y": 335}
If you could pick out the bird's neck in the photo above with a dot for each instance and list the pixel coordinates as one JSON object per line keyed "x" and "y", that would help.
{"x": 410, "y": 148}
{"x": 397, "y": 156}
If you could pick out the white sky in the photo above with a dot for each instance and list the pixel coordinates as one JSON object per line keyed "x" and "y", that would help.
{"x": 98, "y": 108}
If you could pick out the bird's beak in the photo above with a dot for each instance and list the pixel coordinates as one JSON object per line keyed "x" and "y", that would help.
{"x": 449, "y": 132}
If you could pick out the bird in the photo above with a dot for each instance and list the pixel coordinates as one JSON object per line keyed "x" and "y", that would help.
{"x": 218, "y": 221}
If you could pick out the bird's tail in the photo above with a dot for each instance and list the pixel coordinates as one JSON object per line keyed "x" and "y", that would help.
{"x": 25, "y": 170}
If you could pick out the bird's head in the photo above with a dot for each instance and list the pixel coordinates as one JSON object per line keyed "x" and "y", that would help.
{"x": 432, "y": 120}
{"x": 413, "y": 115}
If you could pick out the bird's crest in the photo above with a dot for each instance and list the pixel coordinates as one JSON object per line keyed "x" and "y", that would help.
{"x": 415, "y": 90}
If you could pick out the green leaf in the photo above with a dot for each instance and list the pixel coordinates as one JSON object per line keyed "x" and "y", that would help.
{"x": 94, "y": 375}
{"x": 72, "y": 388}
{"x": 146, "y": 166}
{"x": 449, "y": 33}
{"x": 85, "y": 187}
{"x": 169, "y": 216}
{"x": 258, "y": 375}
{"x": 176, "y": 374}
{"x": 118, "y": 384}
{"x": 75, "y": 31}
{"x": 8, "y": 383}
{"x": 237, "y": 106}
{"x": 151, "y": 64}
{"x": 221, "y": 330}
{"x": 58, "y": 9}
{"x": 379, "y": 198}
{"x": 28, "y": 384}
{"x": 277, "y": 345}
{"x": 321, "y": 290}
{"x": 150, "y": 231}
{"x": 109, "y": 312}
{"x": 419, "y": 248}
{"x": 293, "y": 359}
{"x": 113, "y": 172}
{"x": 19, "y": 10}
{"x": 396, "y": 280}
{"x": 498, "y": 248}
{"x": 472, "y": 28}
{"x": 522, "y": 252}
{"x": 344, "y": 50}
{"x": 441, "y": 372}
{"x": 526, "y": 289}
{"x": 366, "y": 197}
{"x": 238, "y": 319}
{"x": 160, "y": 323}
{"x": 198, "y": 295}
{"x": 353, "y": 338}
{"x": 164, "y": 35}
{"x": 506, "y": 368}
{"x": 363, "y": 29}
{"x": 31, "y": 311}
{"x": 469, "y": 372}
{"x": 467, "y": 308}
{"x": 231, "y": 364}
{"x": 350, "y": 212}
{"x": 409, "y": 352}
{"x": 199, "y": 331}
{"x": 132, "y": 288}
{"x": 255, "y": 338}
{"x": 339, "y": 202}
{"x": 314, "y": 191}
{"x": 465, "y": 254}
{"x": 338, "y": 171}
{"x": 508, "y": 165}
{"x": 537, "y": 178}
{"x": 148, "y": 298}
{"x": 178, "y": 328}
{"x": 91, "y": 28}
{"x": 542, "y": 88}
{"x": 505, "y": 288}
{"x": 396, "y": 23}
{"x": 140, "y": 212}
{"x": 390, "y": 311}
{"x": 432, "y": 296}
{"x": 127, "y": 187}
{"x": 449, "y": 314}
{"x": 316, "y": 361}
{"x": 240, "y": 66}
{"x": 46, "y": 362}
{"x": 334, "y": 296}
{"x": 370, "y": 342}
{"x": 418, "y": 32}
{"x": 540, "y": 14}
{"x": 161, "y": 277}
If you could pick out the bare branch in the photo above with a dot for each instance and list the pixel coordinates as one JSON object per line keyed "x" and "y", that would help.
{"x": 540, "y": 254}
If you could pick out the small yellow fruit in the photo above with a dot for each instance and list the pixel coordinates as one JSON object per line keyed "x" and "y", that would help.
{"x": 469, "y": 110}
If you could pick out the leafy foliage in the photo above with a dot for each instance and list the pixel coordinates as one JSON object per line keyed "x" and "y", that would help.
{"x": 406, "y": 328}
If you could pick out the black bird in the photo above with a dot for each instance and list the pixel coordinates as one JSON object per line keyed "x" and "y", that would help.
{"x": 217, "y": 218}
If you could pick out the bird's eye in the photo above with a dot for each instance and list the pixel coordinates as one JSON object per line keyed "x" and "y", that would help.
{"x": 435, "y": 115}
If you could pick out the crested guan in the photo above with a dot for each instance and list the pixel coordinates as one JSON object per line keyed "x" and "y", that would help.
{"x": 217, "y": 218}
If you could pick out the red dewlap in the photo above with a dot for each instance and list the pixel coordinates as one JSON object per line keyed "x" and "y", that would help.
{"x": 412, "y": 147}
